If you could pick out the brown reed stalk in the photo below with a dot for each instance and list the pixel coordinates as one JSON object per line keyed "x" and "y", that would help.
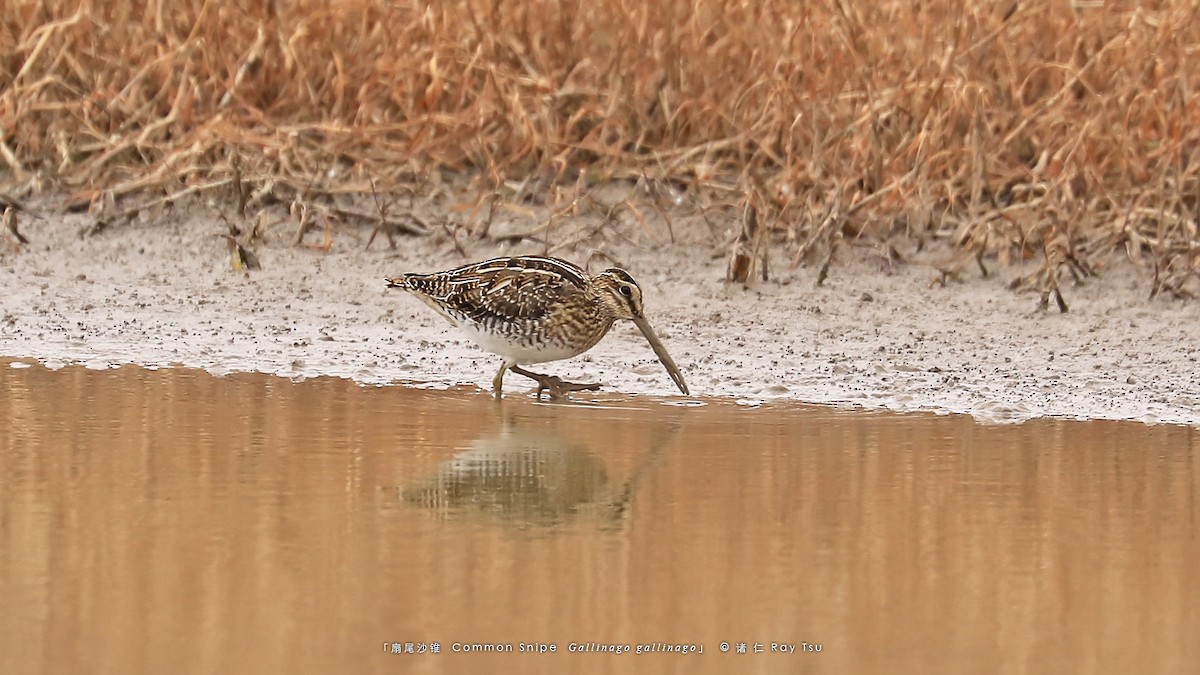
{"x": 967, "y": 122}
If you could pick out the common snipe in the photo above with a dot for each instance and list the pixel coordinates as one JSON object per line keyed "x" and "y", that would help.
{"x": 532, "y": 309}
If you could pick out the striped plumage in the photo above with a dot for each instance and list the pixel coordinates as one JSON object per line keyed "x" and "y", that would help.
{"x": 533, "y": 309}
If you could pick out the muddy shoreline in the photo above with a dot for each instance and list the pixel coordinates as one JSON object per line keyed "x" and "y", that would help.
{"x": 160, "y": 291}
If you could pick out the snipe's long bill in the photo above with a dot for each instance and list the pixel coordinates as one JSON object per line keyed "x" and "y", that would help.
{"x": 533, "y": 309}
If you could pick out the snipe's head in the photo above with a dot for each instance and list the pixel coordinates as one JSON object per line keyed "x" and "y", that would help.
{"x": 622, "y": 297}
{"x": 620, "y": 294}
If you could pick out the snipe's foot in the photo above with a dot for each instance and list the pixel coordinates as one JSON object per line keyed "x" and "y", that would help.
{"x": 557, "y": 387}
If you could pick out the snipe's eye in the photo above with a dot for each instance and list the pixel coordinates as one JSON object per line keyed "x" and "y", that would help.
{"x": 626, "y": 291}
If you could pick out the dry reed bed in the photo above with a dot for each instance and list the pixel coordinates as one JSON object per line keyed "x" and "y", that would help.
{"x": 1058, "y": 130}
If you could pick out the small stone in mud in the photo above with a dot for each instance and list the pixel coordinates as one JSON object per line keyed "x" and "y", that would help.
{"x": 1131, "y": 380}
{"x": 866, "y": 297}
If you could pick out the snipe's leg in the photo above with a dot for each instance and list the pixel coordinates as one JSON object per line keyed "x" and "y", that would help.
{"x": 498, "y": 380}
{"x": 552, "y": 383}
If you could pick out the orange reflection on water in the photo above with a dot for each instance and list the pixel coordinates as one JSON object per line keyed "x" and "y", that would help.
{"x": 171, "y": 521}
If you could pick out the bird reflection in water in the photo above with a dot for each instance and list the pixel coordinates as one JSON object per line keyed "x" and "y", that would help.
{"x": 531, "y": 477}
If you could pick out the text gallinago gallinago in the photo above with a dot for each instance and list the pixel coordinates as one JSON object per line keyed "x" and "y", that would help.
{"x": 533, "y": 309}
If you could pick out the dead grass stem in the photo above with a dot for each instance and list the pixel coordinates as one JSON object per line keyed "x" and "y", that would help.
{"x": 976, "y": 123}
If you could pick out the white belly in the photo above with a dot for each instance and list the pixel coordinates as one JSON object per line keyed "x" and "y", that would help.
{"x": 519, "y": 353}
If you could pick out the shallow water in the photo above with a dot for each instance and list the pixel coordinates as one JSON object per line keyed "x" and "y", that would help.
{"x": 172, "y": 521}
